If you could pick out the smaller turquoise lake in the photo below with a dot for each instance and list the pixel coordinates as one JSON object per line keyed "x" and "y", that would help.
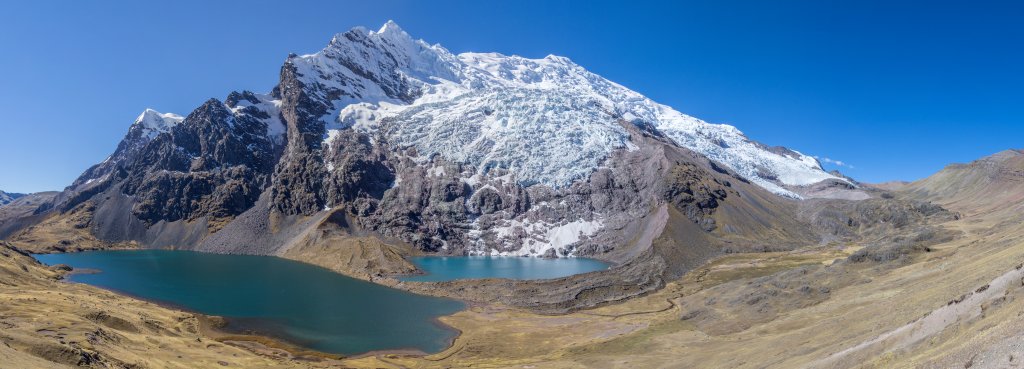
{"x": 440, "y": 268}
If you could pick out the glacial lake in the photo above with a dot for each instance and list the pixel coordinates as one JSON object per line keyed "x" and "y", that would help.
{"x": 440, "y": 268}
{"x": 299, "y": 303}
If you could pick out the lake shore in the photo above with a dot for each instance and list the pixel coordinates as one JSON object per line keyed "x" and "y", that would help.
{"x": 672, "y": 326}
{"x": 255, "y": 300}
{"x": 214, "y": 328}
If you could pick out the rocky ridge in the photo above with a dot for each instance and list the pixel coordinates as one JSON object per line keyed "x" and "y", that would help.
{"x": 460, "y": 154}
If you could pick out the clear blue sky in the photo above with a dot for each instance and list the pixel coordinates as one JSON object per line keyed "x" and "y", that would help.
{"x": 897, "y": 90}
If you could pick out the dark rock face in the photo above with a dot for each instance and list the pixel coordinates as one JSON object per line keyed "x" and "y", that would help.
{"x": 214, "y": 164}
{"x": 360, "y": 169}
{"x": 426, "y": 211}
{"x": 486, "y": 201}
{"x": 297, "y": 180}
{"x": 695, "y": 193}
{"x": 130, "y": 146}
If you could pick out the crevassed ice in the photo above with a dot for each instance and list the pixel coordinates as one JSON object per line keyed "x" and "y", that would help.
{"x": 548, "y": 137}
{"x": 547, "y": 121}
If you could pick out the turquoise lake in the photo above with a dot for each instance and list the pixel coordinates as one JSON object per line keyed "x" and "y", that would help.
{"x": 299, "y": 303}
{"x": 439, "y": 268}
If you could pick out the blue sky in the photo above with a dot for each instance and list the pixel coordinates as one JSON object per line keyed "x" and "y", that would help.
{"x": 895, "y": 89}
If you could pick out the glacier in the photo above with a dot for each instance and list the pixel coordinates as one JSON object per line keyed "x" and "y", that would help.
{"x": 545, "y": 121}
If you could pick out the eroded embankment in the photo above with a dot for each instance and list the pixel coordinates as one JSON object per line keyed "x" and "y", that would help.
{"x": 965, "y": 308}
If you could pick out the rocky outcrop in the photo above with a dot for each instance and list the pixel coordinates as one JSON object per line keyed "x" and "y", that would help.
{"x": 696, "y": 193}
{"x": 298, "y": 179}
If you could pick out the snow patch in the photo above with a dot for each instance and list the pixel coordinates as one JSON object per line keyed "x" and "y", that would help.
{"x": 272, "y": 108}
{"x": 154, "y": 123}
{"x": 437, "y": 171}
{"x": 536, "y": 238}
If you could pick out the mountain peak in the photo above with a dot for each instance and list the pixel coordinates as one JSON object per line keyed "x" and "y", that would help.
{"x": 390, "y": 32}
{"x": 559, "y": 59}
{"x": 376, "y": 111}
{"x": 150, "y": 116}
{"x": 391, "y": 27}
{"x": 154, "y": 122}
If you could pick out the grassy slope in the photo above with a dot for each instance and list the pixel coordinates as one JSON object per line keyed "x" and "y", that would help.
{"x": 804, "y": 308}
{"x": 52, "y": 324}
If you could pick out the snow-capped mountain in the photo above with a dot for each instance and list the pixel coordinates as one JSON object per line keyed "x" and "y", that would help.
{"x": 546, "y": 121}
{"x": 476, "y": 153}
{"x": 146, "y": 127}
{"x": 152, "y": 123}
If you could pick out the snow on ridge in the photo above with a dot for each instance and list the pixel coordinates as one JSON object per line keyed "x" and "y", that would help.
{"x": 368, "y": 66}
{"x": 728, "y": 145}
{"x": 272, "y": 107}
{"x": 154, "y": 123}
{"x": 548, "y": 121}
{"x": 721, "y": 142}
{"x": 275, "y": 127}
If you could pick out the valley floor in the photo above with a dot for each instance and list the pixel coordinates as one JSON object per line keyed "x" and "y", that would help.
{"x": 956, "y": 305}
